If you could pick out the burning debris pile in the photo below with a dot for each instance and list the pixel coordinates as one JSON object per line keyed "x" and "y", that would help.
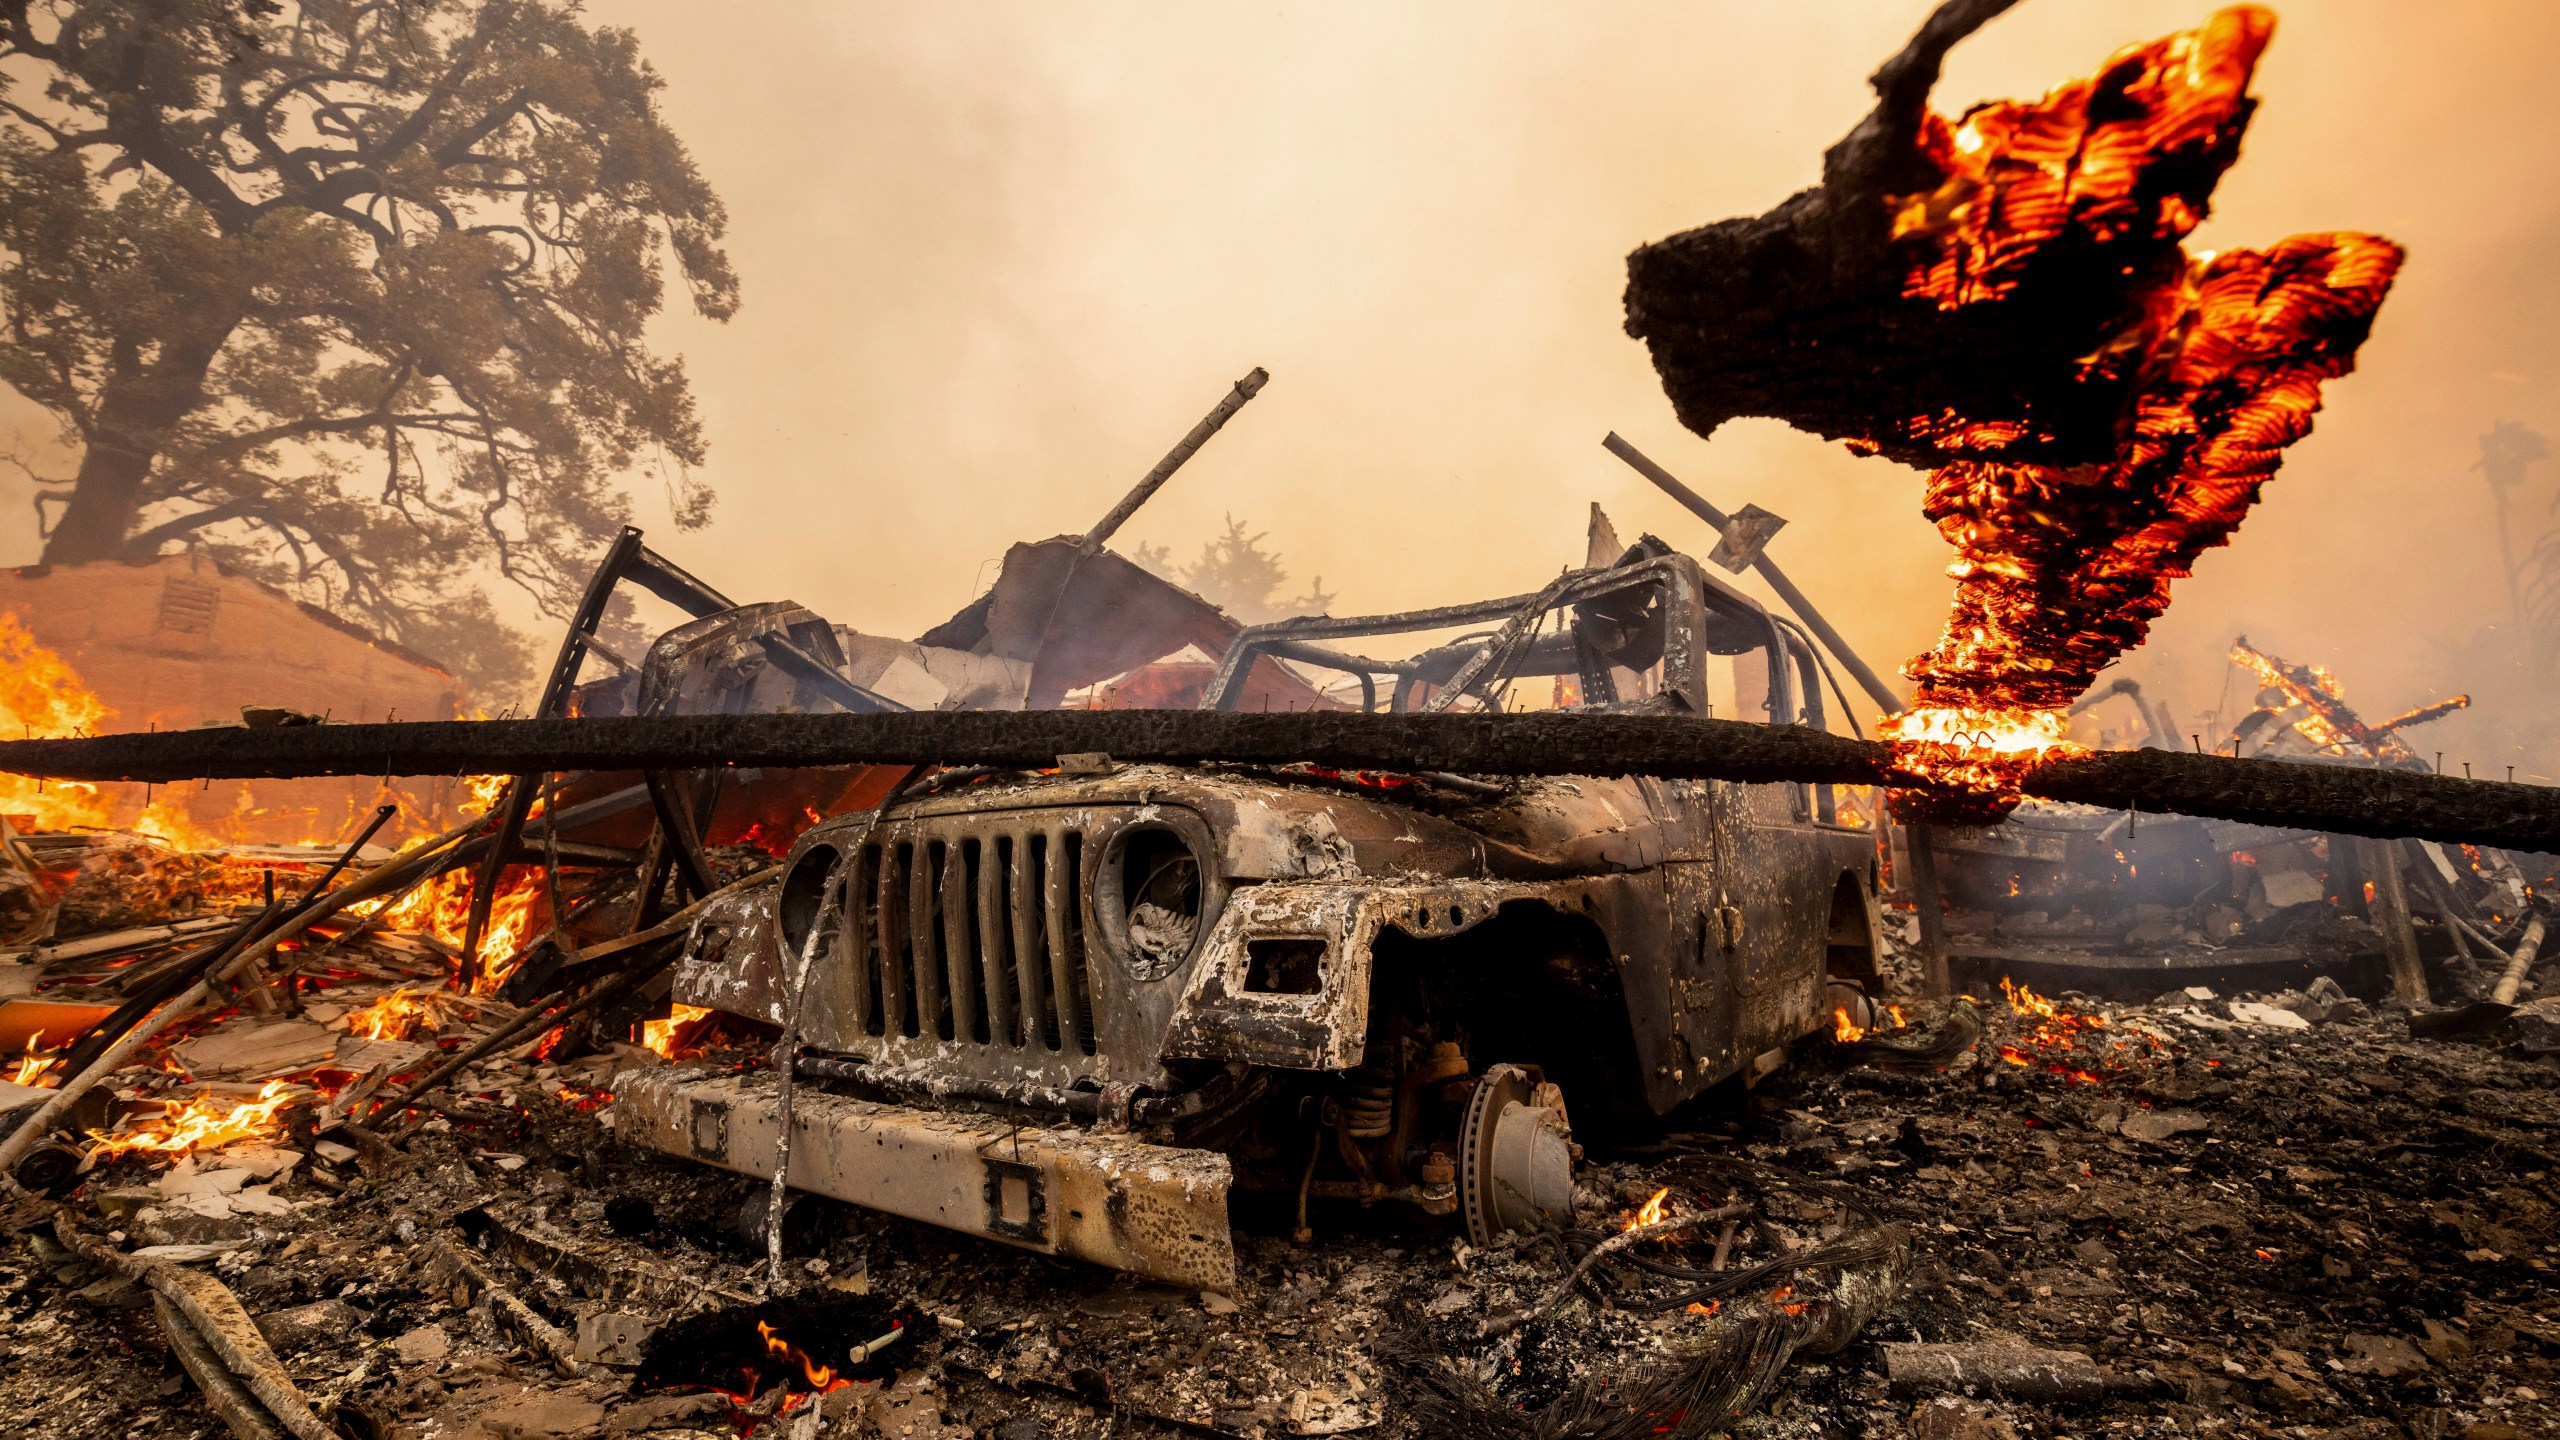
{"x": 2050, "y": 1215}
{"x": 2004, "y": 297}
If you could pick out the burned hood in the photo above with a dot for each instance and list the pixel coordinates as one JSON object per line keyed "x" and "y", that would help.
{"x": 1273, "y": 828}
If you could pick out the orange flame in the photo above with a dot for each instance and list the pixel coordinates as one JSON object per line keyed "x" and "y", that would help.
{"x": 1650, "y": 1214}
{"x": 1844, "y": 1030}
{"x": 36, "y": 1065}
{"x": 396, "y": 1016}
{"x": 441, "y": 908}
{"x": 202, "y": 1123}
{"x": 820, "y": 1377}
{"x": 670, "y": 1036}
{"x": 2055, "y": 1035}
{"x": 41, "y": 696}
{"x": 2023, "y": 1001}
{"x": 2214, "y": 366}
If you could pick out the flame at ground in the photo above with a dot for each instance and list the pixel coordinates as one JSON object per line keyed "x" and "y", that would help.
{"x": 1844, "y": 1030}
{"x": 2062, "y": 1041}
{"x": 396, "y": 1016}
{"x": 199, "y": 1124}
{"x": 820, "y": 1377}
{"x": 1650, "y": 1213}
{"x": 441, "y": 908}
{"x": 35, "y": 1067}
{"x": 2060, "y": 568}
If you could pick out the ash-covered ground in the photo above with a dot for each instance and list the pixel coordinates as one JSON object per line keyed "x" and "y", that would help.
{"x": 2313, "y": 1225}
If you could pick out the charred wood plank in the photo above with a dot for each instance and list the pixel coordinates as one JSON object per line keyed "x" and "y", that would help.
{"x": 2340, "y": 799}
{"x": 1471, "y": 744}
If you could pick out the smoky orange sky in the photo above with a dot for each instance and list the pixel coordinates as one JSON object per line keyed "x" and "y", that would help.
{"x": 998, "y": 257}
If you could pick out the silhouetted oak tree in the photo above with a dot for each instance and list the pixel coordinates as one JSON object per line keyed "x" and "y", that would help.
{"x": 351, "y": 294}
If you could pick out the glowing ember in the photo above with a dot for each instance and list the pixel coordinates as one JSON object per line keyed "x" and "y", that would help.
{"x": 2061, "y": 567}
{"x": 2059, "y": 1036}
{"x": 1844, "y": 1030}
{"x": 1650, "y": 1214}
{"x": 35, "y": 1067}
{"x": 202, "y": 1123}
{"x": 681, "y": 1028}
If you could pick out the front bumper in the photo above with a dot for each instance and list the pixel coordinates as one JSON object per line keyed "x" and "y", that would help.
{"x": 1153, "y": 1210}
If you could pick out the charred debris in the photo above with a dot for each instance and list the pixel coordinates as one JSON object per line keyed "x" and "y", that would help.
{"x": 2139, "y": 1115}
{"x": 1098, "y": 1017}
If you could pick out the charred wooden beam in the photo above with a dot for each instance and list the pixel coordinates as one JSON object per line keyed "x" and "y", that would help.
{"x": 2340, "y": 799}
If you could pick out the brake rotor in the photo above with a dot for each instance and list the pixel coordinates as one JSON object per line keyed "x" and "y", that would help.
{"x": 1515, "y": 1155}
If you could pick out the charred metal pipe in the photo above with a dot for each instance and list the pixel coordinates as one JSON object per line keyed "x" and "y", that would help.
{"x": 2339, "y": 799}
{"x": 1210, "y": 424}
{"x": 1696, "y": 504}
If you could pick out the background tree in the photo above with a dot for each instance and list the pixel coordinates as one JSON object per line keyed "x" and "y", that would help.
{"x": 1238, "y": 576}
{"x": 350, "y": 294}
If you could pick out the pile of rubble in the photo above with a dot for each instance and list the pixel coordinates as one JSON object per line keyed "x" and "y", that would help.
{"x": 2212, "y": 1215}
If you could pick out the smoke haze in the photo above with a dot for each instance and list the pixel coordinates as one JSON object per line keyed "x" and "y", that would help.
{"x": 999, "y": 257}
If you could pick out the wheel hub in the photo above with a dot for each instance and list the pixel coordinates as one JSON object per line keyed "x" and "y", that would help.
{"x": 1515, "y": 1155}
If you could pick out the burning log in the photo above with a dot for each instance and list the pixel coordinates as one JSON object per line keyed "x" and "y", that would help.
{"x": 2005, "y": 297}
{"x": 2334, "y": 798}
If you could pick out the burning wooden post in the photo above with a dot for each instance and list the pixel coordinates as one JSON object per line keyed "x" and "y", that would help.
{"x": 2004, "y": 298}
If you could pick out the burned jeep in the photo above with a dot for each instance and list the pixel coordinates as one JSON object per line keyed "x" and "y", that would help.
{"x": 1073, "y": 1010}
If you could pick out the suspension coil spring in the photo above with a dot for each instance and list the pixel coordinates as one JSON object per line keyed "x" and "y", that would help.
{"x": 1368, "y": 1103}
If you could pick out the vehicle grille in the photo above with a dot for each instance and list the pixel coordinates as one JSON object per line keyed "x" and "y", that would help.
{"x": 974, "y": 937}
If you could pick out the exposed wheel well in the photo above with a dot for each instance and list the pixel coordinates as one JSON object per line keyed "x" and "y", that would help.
{"x": 1532, "y": 985}
{"x": 1849, "y": 951}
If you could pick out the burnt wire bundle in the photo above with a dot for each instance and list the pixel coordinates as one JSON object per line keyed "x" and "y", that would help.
{"x": 1753, "y": 1318}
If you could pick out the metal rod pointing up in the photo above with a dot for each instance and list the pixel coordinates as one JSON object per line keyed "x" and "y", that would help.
{"x": 1245, "y": 389}
{"x": 1697, "y": 505}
